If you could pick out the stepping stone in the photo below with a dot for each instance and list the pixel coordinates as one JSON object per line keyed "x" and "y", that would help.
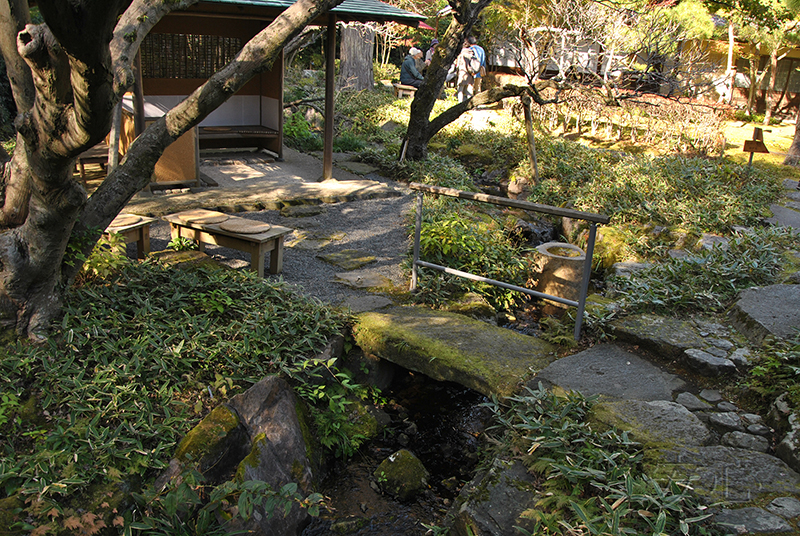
{"x": 654, "y": 423}
{"x": 362, "y": 304}
{"x": 752, "y": 521}
{"x": 359, "y": 168}
{"x": 772, "y": 310}
{"x": 310, "y": 241}
{"x": 607, "y": 369}
{"x": 669, "y": 337}
{"x": 363, "y": 279}
{"x": 720, "y": 473}
{"x": 348, "y": 259}
{"x": 303, "y": 211}
{"x": 451, "y": 347}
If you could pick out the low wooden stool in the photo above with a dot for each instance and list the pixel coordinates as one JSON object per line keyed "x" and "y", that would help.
{"x": 254, "y": 237}
{"x": 133, "y": 228}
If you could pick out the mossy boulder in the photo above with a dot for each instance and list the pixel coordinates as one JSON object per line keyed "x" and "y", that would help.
{"x": 10, "y": 513}
{"x": 451, "y": 347}
{"x": 612, "y": 247}
{"x": 207, "y": 444}
{"x": 402, "y": 475}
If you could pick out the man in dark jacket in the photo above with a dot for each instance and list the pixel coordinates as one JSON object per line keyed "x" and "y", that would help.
{"x": 409, "y": 75}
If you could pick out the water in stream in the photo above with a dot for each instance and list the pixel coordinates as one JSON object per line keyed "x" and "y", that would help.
{"x": 441, "y": 423}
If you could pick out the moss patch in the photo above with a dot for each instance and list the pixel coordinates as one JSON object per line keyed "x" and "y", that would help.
{"x": 208, "y": 437}
{"x": 10, "y": 513}
{"x": 402, "y": 475}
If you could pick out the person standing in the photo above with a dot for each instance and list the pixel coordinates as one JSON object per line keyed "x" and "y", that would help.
{"x": 409, "y": 74}
{"x": 466, "y": 66}
{"x": 430, "y": 52}
{"x": 480, "y": 53}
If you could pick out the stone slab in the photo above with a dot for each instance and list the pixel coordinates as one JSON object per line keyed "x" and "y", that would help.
{"x": 359, "y": 168}
{"x": 609, "y": 370}
{"x": 363, "y": 279}
{"x": 772, "y": 310}
{"x": 658, "y": 422}
{"x": 669, "y": 337}
{"x": 451, "y": 347}
{"x": 725, "y": 473}
{"x": 751, "y": 521}
{"x": 347, "y": 259}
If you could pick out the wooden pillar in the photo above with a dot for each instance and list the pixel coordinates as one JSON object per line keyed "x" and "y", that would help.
{"x": 330, "y": 87}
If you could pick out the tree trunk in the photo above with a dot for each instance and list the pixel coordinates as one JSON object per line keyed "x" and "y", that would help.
{"x": 357, "y": 46}
{"x": 415, "y": 144}
{"x": 793, "y": 154}
{"x": 773, "y": 74}
{"x": 751, "y": 92}
{"x": 730, "y": 70}
{"x": 78, "y": 78}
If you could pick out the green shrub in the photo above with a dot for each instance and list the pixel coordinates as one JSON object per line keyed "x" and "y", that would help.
{"x": 709, "y": 280}
{"x": 348, "y": 142}
{"x": 462, "y": 239}
{"x": 590, "y": 480}
{"x": 298, "y": 135}
{"x": 385, "y": 71}
{"x": 134, "y": 363}
{"x": 697, "y": 194}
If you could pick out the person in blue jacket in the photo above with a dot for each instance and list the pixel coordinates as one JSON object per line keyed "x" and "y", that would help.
{"x": 481, "y": 55}
{"x": 409, "y": 75}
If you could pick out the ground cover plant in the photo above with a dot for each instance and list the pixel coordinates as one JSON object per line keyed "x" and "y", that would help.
{"x": 138, "y": 357}
{"x": 590, "y": 480}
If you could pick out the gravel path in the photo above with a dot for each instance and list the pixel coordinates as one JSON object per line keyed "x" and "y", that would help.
{"x": 376, "y": 227}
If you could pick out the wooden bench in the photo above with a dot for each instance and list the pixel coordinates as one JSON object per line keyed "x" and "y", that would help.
{"x": 134, "y": 229}
{"x": 402, "y": 90}
{"x": 210, "y": 227}
{"x": 226, "y": 137}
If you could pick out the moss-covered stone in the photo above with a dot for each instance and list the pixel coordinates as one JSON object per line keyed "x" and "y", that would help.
{"x": 208, "y": 440}
{"x": 474, "y": 153}
{"x": 611, "y": 247}
{"x": 474, "y": 306}
{"x": 450, "y": 347}
{"x": 252, "y": 459}
{"x": 10, "y": 513}
{"x": 402, "y": 475}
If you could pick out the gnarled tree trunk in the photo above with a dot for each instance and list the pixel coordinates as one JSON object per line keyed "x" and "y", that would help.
{"x": 415, "y": 144}
{"x": 67, "y": 76}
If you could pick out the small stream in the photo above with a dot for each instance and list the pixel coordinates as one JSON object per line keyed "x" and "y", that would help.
{"x": 441, "y": 423}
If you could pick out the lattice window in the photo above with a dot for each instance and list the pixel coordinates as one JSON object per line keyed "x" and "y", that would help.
{"x": 186, "y": 56}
